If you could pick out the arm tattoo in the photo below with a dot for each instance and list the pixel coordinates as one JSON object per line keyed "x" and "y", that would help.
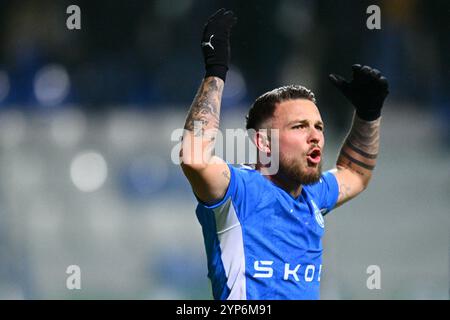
{"x": 360, "y": 149}
{"x": 344, "y": 191}
{"x": 226, "y": 175}
{"x": 205, "y": 109}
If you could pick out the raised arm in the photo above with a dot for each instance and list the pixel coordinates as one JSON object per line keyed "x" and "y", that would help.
{"x": 208, "y": 175}
{"x": 357, "y": 158}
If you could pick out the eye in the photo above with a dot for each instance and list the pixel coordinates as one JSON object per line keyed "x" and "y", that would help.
{"x": 299, "y": 126}
{"x": 320, "y": 128}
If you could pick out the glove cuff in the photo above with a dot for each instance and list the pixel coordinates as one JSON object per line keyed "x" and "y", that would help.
{"x": 216, "y": 71}
{"x": 368, "y": 115}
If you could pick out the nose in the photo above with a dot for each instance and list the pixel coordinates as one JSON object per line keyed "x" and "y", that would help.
{"x": 314, "y": 136}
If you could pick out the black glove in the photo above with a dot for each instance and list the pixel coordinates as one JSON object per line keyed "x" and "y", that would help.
{"x": 366, "y": 91}
{"x": 216, "y": 43}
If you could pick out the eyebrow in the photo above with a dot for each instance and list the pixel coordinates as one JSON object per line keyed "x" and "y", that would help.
{"x": 304, "y": 121}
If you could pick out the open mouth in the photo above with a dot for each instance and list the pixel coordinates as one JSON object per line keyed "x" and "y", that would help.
{"x": 314, "y": 156}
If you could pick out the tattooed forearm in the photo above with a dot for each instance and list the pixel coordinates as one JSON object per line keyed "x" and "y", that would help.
{"x": 360, "y": 149}
{"x": 202, "y": 123}
{"x": 205, "y": 109}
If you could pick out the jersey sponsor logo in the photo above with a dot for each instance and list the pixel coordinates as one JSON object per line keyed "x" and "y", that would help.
{"x": 318, "y": 214}
{"x": 264, "y": 269}
{"x": 208, "y": 44}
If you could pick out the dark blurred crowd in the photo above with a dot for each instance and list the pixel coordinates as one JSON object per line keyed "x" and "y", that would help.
{"x": 145, "y": 53}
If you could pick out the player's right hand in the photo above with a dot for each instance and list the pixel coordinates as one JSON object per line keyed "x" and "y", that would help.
{"x": 216, "y": 43}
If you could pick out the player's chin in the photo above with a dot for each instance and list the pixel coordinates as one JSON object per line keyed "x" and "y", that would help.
{"x": 312, "y": 173}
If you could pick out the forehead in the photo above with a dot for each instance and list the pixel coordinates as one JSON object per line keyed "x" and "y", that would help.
{"x": 298, "y": 109}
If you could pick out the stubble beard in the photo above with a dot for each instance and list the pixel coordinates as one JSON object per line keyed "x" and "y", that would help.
{"x": 293, "y": 170}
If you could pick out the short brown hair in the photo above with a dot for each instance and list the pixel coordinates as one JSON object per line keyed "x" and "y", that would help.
{"x": 264, "y": 106}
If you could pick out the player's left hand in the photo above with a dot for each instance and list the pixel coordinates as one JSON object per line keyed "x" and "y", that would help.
{"x": 366, "y": 91}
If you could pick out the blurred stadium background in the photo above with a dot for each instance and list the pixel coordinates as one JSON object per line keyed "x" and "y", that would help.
{"x": 86, "y": 123}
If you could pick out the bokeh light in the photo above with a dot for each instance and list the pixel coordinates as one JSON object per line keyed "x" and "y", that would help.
{"x": 235, "y": 87}
{"x": 51, "y": 85}
{"x": 145, "y": 175}
{"x": 88, "y": 171}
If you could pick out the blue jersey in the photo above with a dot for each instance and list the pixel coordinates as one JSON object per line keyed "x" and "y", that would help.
{"x": 261, "y": 243}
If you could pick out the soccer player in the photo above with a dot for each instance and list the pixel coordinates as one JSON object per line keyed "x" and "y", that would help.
{"x": 262, "y": 230}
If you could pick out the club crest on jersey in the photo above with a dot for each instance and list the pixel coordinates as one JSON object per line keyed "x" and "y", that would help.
{"x": 318, "y": 214}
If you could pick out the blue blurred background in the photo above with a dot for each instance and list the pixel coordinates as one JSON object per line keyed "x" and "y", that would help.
{"x": 87, "y": 122}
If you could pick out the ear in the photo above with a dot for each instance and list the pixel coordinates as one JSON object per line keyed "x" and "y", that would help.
{"x": 262, "y": 141}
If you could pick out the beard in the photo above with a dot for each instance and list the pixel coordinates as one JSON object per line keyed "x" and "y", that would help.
{"x": 293, "y": 169}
